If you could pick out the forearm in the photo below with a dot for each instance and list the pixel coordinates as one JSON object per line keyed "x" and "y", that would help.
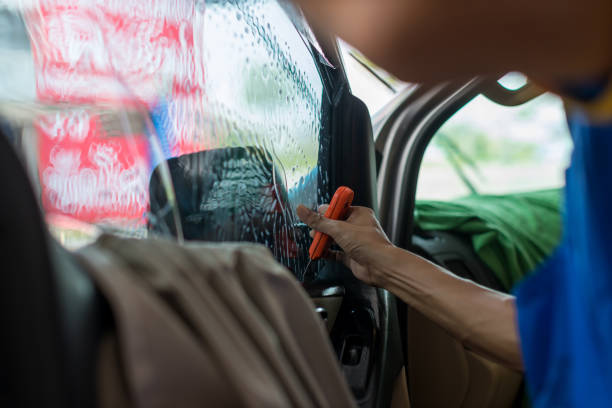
{"x": 482, "y": 319}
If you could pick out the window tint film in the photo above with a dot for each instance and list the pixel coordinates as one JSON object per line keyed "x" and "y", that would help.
{"x": 201, "y": 120}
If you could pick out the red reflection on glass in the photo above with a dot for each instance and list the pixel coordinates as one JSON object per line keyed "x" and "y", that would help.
{"x": 90, "y": 51}
{"x": 124, "y": 54}
{"x": 86, "y": 174}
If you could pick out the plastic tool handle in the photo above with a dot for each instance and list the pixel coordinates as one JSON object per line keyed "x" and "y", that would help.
{"x": 337, "y": 210}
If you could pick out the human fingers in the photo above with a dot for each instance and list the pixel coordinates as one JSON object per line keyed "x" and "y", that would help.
{"x": 317, "y": 221}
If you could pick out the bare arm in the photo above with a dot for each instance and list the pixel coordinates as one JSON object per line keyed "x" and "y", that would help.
{"x": 433, "y": 40}
{"x": 482, "y": 319}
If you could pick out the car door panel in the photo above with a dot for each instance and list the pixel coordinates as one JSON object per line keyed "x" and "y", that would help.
{"x": 446, "y": 374}
{"x": 440, "y": 370}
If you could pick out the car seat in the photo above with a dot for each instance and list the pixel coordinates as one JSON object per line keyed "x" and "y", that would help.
{"x": 52, "y": 314}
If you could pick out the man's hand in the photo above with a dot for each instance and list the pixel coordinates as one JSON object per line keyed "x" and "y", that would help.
{"x": 361, "y": 238}
{"x": 485, "y": 322}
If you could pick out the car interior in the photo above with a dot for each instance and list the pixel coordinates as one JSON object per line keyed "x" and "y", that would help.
{"x": 239, "y": 113}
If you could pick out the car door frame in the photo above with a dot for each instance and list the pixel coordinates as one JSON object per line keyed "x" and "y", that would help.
{"x": 402, "y": 137}
{"x": 354, "y": 165}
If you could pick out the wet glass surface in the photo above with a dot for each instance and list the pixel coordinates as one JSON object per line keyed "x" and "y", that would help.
{"x": 194, "y": 119}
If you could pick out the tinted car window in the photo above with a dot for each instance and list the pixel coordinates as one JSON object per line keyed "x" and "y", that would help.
{"x": 195, "y": 119}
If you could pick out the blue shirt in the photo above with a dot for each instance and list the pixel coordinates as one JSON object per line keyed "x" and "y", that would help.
{"x": 565, "y": 308}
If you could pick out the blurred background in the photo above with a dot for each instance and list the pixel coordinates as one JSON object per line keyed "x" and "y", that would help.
{"x": 484, "y": 148}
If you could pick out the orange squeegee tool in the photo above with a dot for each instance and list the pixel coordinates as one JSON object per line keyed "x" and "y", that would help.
{"x": 337, "y": 210}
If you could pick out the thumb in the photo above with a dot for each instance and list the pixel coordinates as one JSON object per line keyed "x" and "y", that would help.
{"x": 317, "y": 221}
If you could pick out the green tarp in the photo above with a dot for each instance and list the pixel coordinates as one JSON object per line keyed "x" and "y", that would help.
{"x": 512, "y": 234}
